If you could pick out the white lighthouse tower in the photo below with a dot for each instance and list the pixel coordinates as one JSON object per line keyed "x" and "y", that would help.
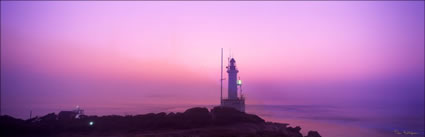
{"x": 233, "y": 87}
{"x": 232, "y": 98}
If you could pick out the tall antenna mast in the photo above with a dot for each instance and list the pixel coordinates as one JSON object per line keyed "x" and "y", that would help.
{"x": 230, "y": 53}
{"x": 228, "y": 58}
{"x": 221, "y": 79}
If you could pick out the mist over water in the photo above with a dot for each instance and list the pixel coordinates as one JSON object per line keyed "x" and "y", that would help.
{"x": 347, "y": 121}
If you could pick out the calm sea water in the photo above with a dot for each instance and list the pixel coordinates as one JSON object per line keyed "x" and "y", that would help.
{"x": 348, "y": 121}
{"x": 329, "y": 121}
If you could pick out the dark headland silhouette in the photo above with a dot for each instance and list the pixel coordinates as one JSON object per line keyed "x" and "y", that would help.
{"x": 194, "y": 122}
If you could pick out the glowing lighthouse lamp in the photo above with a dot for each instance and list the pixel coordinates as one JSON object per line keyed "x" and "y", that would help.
{"x": 240, "y": 87}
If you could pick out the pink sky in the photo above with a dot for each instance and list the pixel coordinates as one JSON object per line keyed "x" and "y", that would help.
{"x": 64, "y": 53}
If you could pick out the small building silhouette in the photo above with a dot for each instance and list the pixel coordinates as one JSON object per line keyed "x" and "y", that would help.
{"x": 69, "y": 115}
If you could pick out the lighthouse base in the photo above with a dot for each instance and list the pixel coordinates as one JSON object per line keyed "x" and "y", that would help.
{"x": 238, "y": 104}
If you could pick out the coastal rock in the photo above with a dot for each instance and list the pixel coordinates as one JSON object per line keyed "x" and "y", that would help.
{"x": 227, "y": 115}
{"x": 196, "y": 117}
{"x": 194, "y": 122}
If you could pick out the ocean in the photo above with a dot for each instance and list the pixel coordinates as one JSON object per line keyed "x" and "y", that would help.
{"x": 347, "y": 121}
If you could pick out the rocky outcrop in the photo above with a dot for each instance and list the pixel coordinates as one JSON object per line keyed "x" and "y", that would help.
{"x": 220, "y": 121}
{"x": 227, "y": 115}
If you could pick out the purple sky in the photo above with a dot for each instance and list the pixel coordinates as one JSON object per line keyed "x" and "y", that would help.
{"x": 104, "y": 53}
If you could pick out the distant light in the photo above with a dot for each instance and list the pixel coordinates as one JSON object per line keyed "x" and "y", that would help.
{"x": 239, "y": 82}
{"x": 91, "y": 123}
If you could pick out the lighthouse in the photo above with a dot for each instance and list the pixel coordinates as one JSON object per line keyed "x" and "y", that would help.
{"x": 233, "y": 100}
{"x": 233, "y": 87}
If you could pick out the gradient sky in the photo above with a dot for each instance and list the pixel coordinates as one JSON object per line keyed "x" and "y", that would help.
{"x": 58, "y": 54}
